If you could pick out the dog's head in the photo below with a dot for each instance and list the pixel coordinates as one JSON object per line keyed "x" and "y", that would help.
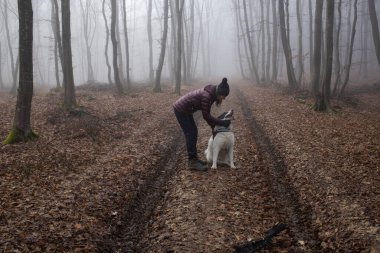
{"x": 227, "y": 115}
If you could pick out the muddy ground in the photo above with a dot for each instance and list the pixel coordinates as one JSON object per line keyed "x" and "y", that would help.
{"x": 115, "y": 179}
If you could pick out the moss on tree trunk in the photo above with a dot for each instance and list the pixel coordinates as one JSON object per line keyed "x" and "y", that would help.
{"x": 16, "y": 135}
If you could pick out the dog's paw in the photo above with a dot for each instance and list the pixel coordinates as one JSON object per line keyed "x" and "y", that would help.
{"x": 213, "y": 167}
{"x": 233, "y": 166}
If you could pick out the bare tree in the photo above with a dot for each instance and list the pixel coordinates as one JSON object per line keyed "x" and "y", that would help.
{"x": 68, "y": 76}
{"x": 114, "y": 47}
{"x": 317, "y": 47}
{"x": 157, "y": 87}
{"x": 14, "y": 67}
{"x": 126, "y": 45}
{"x": 350, "y": 51}
{"x": 286, "y": 47}
{"x": 149, "y": 29}
{"x": 375, "y": 27}
{"x": 337, "y": 50}
{"x": 269, "y": 41}
{"x": 106, "y": 46}
{"x": 250, "y": 46}
{"x": 21, "y": 129}
{"x": 275, "y": 42}
{"x": 179, "y": 10}
{"x": 300, "y": 44}
{"x": 238, "y": 39}
{"x": 89, "y": 26}
{"x": 54, "y": 13}
{"x": 1, "y": 75}
{"x": 326, "y": 84}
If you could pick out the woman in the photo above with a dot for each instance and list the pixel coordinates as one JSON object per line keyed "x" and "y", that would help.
{"x": 184, "y": 108}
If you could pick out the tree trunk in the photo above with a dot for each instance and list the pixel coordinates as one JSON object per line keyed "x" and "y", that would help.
{"x": 262, "y": 28}
{"x": 114, "y": 47}
{"x": 300, "y": 44}
{"x": 317, "y": 47}
{"x": 21, "y": 130}
{"x": 106, "y": 46}
{"x": 157, "y": 87}
{"x": 56, "y": 60}
{"x": 337, "y": 50}
{"x": 68, "y": 76}
{"x": 286, "y": 47}
{"x": 364, "y": 40}
{"x": 119, "y": 51}
{"x": 269, "y": 52}
{"x": 245, "y": 39}
{"x": 13, "y": 65}
{"x": 375, "y": 28}
{"x": 275, "y": 42}
{"x": 250, "y": 46}
{"x": 237, "y": 27}
{"x": 1, "y": 75}
{"x": 126, "y": 45}
{"x": 149, "y": 28}
{"x": 352, "y": 40}
{"x": 173, "y": 47}
{"x": 179, "y": 9}
{"x": 87, "y": 31}
{"x": 311, "y": 44}
{"x": 329, "y": 37}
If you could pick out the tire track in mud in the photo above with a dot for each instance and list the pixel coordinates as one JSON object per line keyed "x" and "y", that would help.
{"x": 297, "y": 216}
{"x": 126, "y": 233}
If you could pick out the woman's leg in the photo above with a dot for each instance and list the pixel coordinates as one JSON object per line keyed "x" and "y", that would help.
{"x": 189, "y": 128}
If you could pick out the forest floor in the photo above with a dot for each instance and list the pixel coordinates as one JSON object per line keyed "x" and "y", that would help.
{"x": 114, "y": 179}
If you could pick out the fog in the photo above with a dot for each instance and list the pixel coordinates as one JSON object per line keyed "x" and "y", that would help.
{"x": 215, "y": 50}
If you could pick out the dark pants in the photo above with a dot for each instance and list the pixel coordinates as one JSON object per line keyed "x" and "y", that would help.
{"x": 189, "y": 128}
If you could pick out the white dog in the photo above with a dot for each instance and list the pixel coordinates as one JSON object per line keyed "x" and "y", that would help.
{"x": 221, "y": 144}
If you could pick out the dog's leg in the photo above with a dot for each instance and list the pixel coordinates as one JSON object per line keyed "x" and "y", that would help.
{"x": 215, "y": 154}
{"x": 231, "y": 157}
{"x": 208, "y": 151}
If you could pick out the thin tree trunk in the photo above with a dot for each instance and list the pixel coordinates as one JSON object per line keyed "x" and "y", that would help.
{"x": 1, "y": 75}
{"x": 352, "y": 40}
{"x": 337, "y": 50}
{"x": 375, "y": 28}
{"x": 275, "y": 42}
{"x": 149, "y": 29}
{"x": 364, "y": 38}
{"x": 13, "y": 66}
{"x": 286, "y": 47}
{"x": 157, "y": 87}
{"x": 269, "y": 52}
{"x": 245, "y": 39}
{"x": 173, "y": 48}
{"x": 119, "y": 51}
{"x": 329, "y": 51}
{"x": 311, "y": 45}
{"x": 300, "y": 44}
{"x": 126, "y": 45}
{"x": 114, "y": 47}
{"x": 262, "y": 28}
{"x": 56, "y": 60}
{"x": 179, "y": 9}
{"x": 317, "y": 47}
{"x": 21, "y": 130}
{"x": 106, "y": 46}
{"x": 86, "y": 22}
{"x": 68, "y": 77}
{"x": 250, "y": 46}
{"x": 58, "y": 32}
{"x": 238, "y": 39}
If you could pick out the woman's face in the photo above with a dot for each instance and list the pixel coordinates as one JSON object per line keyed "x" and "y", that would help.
{"x": 219, "y": 99}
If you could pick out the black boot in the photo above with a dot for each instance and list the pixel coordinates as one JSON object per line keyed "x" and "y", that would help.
{"x": 195, "y": 164}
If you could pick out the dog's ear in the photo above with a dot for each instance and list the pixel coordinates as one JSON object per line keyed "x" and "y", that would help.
{"x": 221, "y": 116}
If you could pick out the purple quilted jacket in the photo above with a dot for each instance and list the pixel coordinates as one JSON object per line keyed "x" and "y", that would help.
{"x": 201, "y": 99}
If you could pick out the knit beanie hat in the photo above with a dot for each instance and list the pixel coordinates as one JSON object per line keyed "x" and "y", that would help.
{"x": 223, "y": 89}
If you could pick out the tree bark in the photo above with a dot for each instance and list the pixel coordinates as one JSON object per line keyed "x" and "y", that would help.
{"x": 88, "y": 35}
{"x": 337, "y": 50}
{"x": 329, "y": 37}
{"x": 149, "y": 29}
{"x": 352, "y": 40}
{"x": 275, "y": 42}
{"x": 250, "y": 46}
{"x": 106, "y": 46}
{"x": 300, "y": 44}
{"x": 317, "y": 47}
{"x": 311, "y": 44}
{"x": 126, "y": 46}
{"x": 21, "y": 130}
{"x": 157, "y": 87}
{"x": 179, "y": 10}
{"x": 114, "y": 47}
{"x": 68, "y": 76}
{"x": 375, "y": 28}
{"x": 286, "y": 47}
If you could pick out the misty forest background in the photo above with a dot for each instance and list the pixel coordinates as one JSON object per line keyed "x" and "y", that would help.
{"x": 320, "y": 46}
